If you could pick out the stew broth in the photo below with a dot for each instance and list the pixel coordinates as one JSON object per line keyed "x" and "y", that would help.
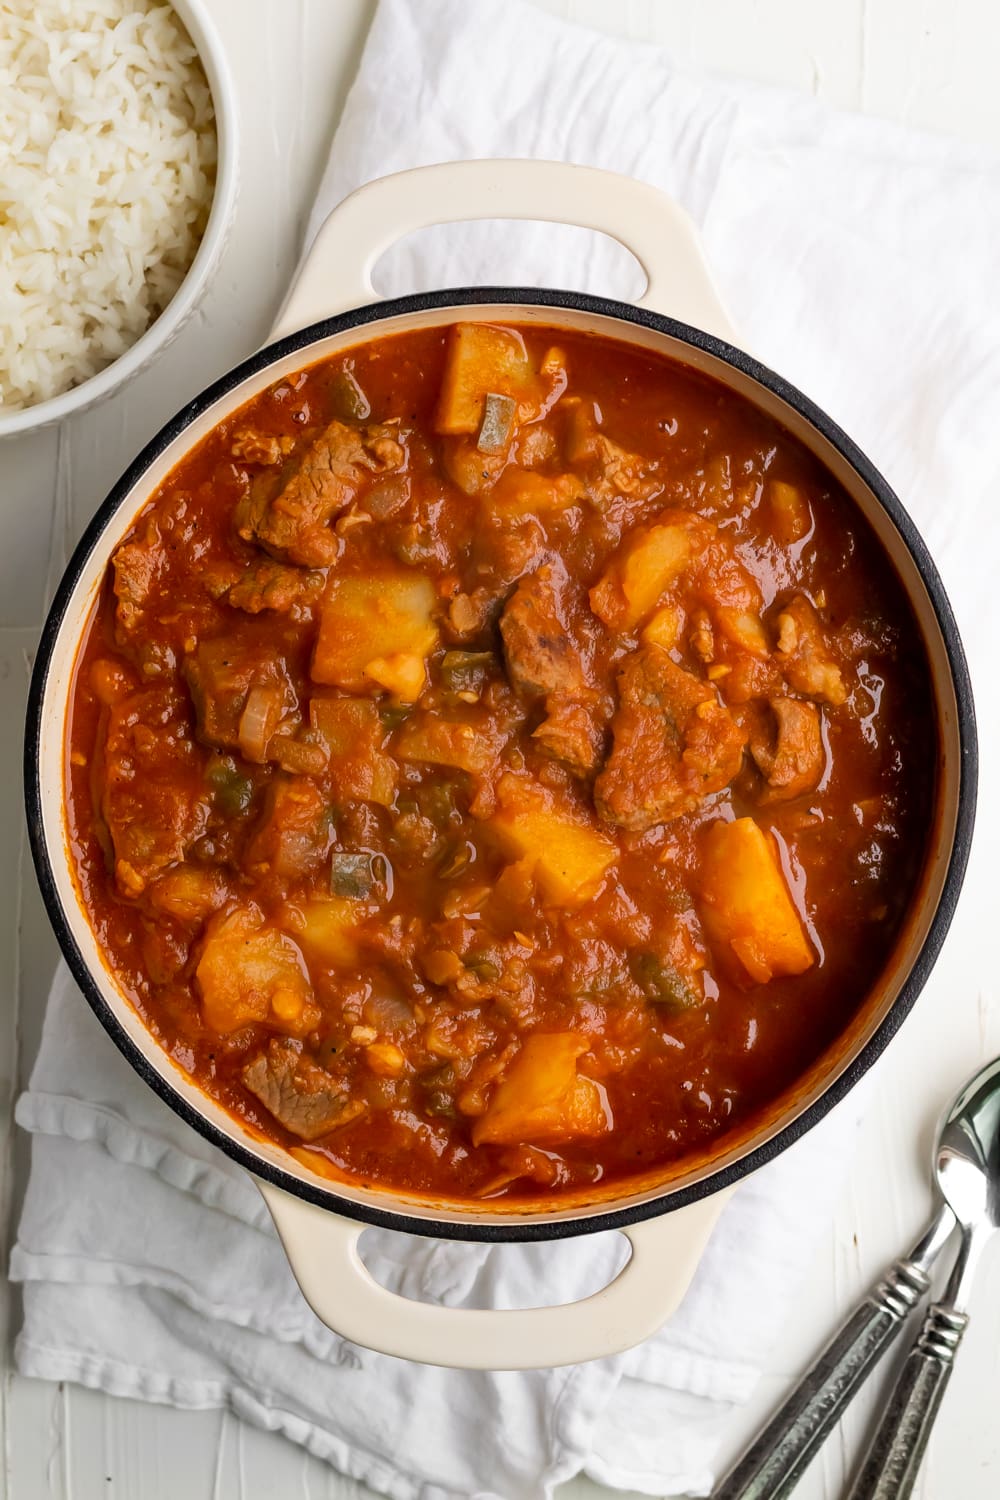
{"x": 500, "y": 761}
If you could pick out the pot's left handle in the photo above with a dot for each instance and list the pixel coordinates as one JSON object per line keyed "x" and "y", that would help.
{"x": 336, "y": 273}
{"x": 323, "y": 1250}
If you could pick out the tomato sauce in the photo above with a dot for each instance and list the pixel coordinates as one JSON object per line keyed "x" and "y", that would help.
{"x": 500, "y": 762}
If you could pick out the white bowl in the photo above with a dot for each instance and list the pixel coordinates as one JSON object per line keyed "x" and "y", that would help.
{"x": 196, "y": 15}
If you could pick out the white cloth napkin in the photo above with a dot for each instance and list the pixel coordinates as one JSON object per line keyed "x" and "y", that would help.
{"x": 859, "y": 259}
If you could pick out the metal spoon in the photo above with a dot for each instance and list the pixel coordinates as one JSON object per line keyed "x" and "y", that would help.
{"x": 968, "y": 1174}
{"x": 774, "y": 1463}
{"x": 772, "y": 1466}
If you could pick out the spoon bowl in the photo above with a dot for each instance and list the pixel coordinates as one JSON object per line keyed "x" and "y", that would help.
{"x": 968, "y": 1154}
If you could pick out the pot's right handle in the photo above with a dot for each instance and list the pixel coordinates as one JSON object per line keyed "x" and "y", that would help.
{"x": 323, "y": 1250}
{"x": 336, "y": 274}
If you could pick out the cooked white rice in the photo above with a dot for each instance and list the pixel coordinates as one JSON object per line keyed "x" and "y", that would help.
{"x": 107, "y": 168}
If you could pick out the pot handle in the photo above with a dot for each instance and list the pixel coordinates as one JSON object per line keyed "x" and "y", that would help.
{"x": 323, "y": 1250}
{"x": 336, "y": 273}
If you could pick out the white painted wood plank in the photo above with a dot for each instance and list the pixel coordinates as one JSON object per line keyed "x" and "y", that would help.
{"x": 812, "y": 47}
{"x": 933, "y": 63}
{"x": 15, "y": 649}
{"x": 924, "y": 62}
{"x": 928, "y": 63}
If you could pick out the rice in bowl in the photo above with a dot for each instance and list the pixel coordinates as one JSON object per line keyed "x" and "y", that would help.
{"x": 106, "y": 181}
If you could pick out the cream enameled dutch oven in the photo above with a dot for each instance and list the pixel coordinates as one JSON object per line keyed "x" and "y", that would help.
{"x": 331, "y": 307}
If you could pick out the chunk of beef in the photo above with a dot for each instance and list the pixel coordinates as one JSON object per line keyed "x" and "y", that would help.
{"x": 240, "y": 696}
{"x": 609, "y": 468}
{"x": 804, "y": 654}
{"x": 620, "y": 472}
{"x": 273, "y": 585}
{"x": 260, "y": 447}
{"x": 791, "y": 760}
{"x": 541, "y": 657}
{"x": 502, "y": 552}
{"x": 155, "y": 803}
{"x": 302, "y": 1096}
{"x": 545, "y": 661}
{"x": 572, "y": 733}
{"x": 287, "y": 511}
{"x": 674, "y": 743}
{"x": 138, "y": 566}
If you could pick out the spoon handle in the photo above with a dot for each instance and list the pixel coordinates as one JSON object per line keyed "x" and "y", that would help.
{"x": 775, "y": 1462}
{"x": 890, "y": 1467}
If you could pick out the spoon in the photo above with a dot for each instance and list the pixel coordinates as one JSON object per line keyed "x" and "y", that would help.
{"x": 968, "y": 1174}
{"x": 774, "y": 1463}
{"x": 772, "y": 1466}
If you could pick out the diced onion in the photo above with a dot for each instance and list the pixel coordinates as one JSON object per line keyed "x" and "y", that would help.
{"x": 258, "y": 721}
{"x": 498, "y": 421}
{"x": 388, "y": 1013}
{"x": 352, "y": 876}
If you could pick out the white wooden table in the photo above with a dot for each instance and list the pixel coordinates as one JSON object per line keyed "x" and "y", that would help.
{"x": 924, "y": 62}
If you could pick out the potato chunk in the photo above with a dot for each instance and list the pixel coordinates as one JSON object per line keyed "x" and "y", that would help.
{"x": 352, "y": 731}
{"x": 189, "y": 893}
{"x": 745, "y": 905}
{"x": 542, "y": 1098}
{"x": 791, "y": 517}
{"x": 469, "y": 741}
{"x": 250, "y": 973}
{"x": 734, "y": 601}
{"x": 404, "y": 674}
{"x": 524, "y": 492}
{"x": 324, "y": 928}
{"x": 650, "y": 561}
{"x": 568, "y": 857}
{"x": 481, "y": 358}
{"x": 369, "y": 621}
{"x": 665, "y": 628}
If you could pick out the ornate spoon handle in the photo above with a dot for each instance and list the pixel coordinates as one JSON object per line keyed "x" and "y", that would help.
{"x": 891, "y": 1463}
{"x": 775, "y": 1462}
